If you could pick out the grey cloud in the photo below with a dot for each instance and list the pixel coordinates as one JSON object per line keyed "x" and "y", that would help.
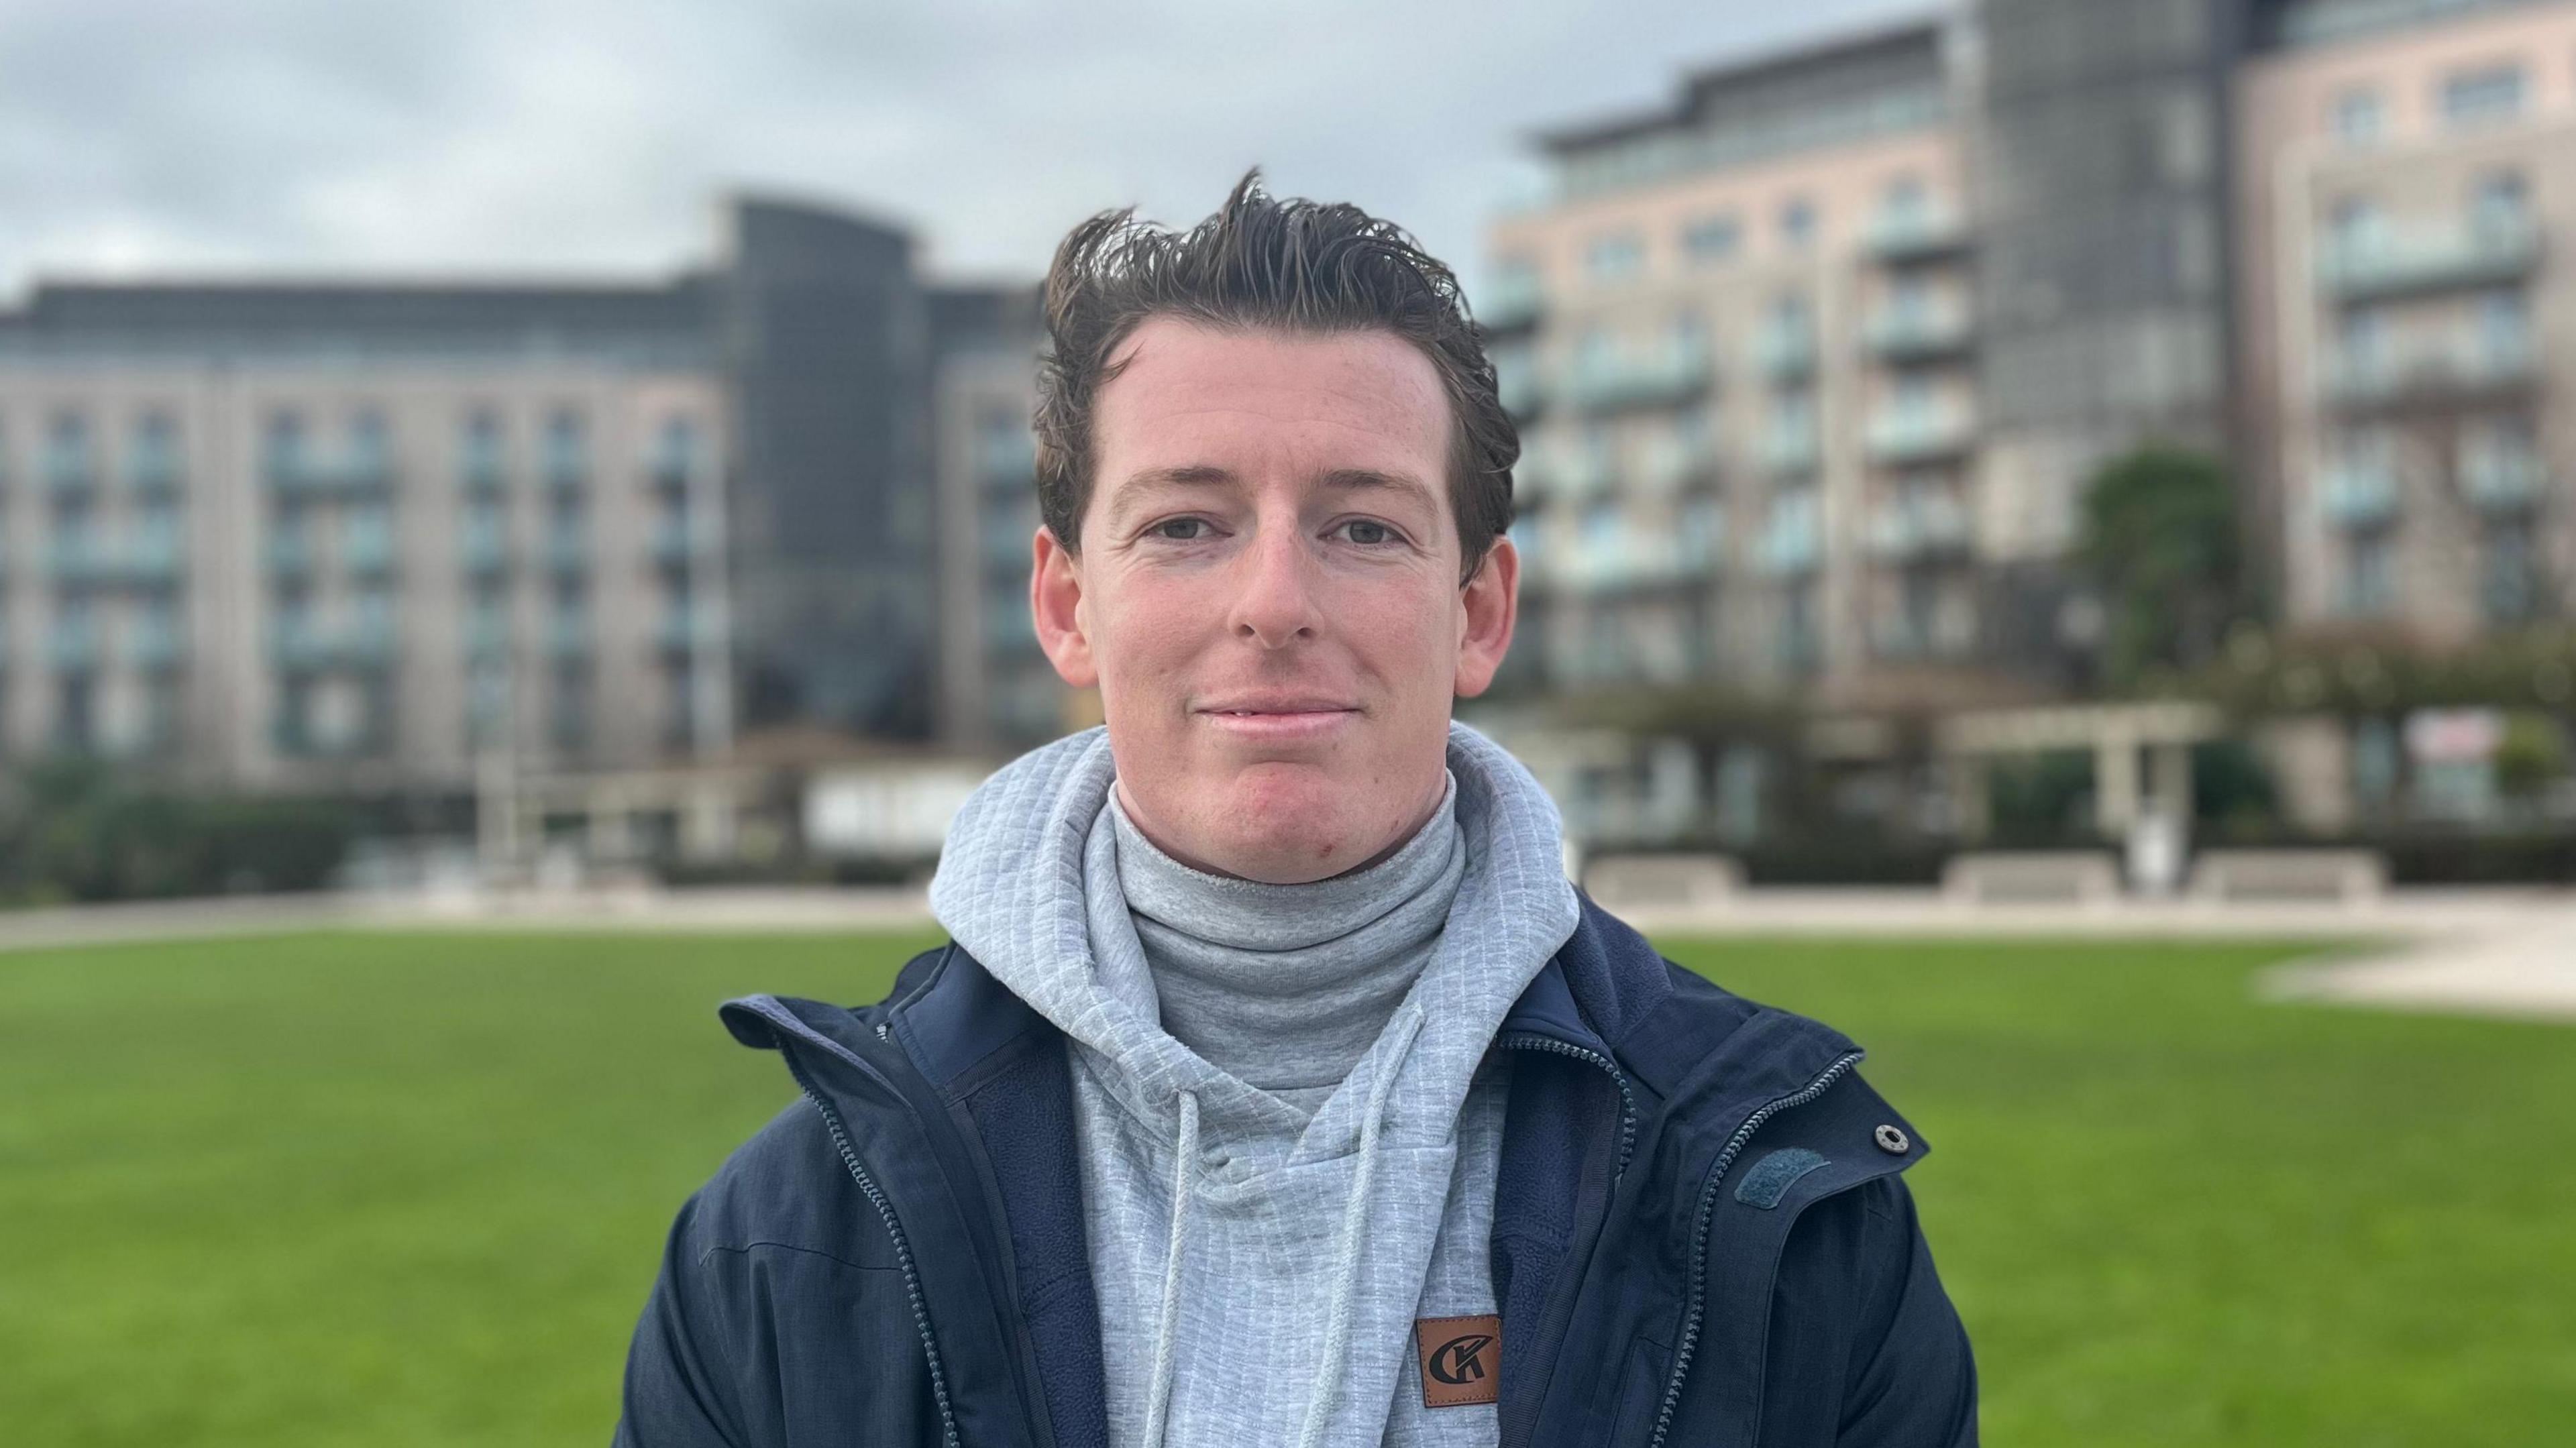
{"x": 465, "y": 137}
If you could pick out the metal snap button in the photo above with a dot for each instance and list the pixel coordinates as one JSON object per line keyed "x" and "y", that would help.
{"x": 1892, "y": 1141}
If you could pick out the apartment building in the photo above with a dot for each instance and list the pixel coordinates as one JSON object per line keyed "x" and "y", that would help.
{"x": 358, "y": 537}
{"x": 1814, "y": 362}
{"x": 1741, "y": 342}
{"x": 997, "y": 689}
{"x": 372, "y": 537}
{"x": 2409, "y": 194}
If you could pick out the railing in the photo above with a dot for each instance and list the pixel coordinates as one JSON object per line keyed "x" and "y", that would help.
{"x": 2467, "y": 251}
{"x": 1911, "y": 435}
{"x": 1911, "y": 233}
{"x": 1911, "y": 529}
{"x": 1913, "y": 333}
{"x": 1670, "y": 375}
{"x": 2359, "y": 495}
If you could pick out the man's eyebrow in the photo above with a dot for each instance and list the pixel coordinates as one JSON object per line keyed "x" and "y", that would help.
{"x": 1122, "y": 496}
{"x": 1364, "y": 479}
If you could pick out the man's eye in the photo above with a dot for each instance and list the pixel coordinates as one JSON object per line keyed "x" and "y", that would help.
{"x": 1159, "y": 529}
{"x": 1371, "y": 532}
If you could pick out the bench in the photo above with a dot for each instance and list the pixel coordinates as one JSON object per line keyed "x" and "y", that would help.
{"x": 2319, "y": 875}
{"x": 2033, "y": 877}
{"x": 1662, "y": 882}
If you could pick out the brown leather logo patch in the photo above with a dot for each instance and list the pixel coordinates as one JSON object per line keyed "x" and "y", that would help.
{"x": 1462, "y": 1359}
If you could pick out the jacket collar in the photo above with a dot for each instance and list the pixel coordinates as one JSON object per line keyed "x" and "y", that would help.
{"x": 1602, "y": 982}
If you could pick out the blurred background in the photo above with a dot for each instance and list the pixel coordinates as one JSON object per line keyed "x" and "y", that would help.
{"x": 2092, "y": 471}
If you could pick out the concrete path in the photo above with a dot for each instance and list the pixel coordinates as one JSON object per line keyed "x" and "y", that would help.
{"x": 2509, "y": 952}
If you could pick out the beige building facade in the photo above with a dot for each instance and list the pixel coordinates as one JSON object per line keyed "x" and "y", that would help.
{"x": 281, "y": 570}
{"x": 2408, "y": 199}
{"x": 1749, "y": 422}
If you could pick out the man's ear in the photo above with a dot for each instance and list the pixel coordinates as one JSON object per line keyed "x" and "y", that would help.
{"x": 1055, "y": 605}
{"x": 1493, "y": 601}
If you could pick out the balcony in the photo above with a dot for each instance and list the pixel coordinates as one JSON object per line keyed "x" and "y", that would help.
{"x": 153, "y": 470}
{"x": 290, "y": 555}
{"x": 1785, "y": 351}
{"x": 155, "y": 556}
{"x": 565, "y": 465}
{"x": 566, "y": 557}
{"x": 1904, "y": 436}
{"x": 1902, "y": 234}
{"x": 1630, "y": 560}
{"x": 683, "y": 631}
{"x": 567, "y": 637}
{"x": 2501, "y": 481}
{"x": 1673, "y": 465}
{"x": 487, "y": 636}
{"x": 71, "y": 646}
{"x": 1521, "y": 390}
{"x": 2467, "y": 251}
{"x": 155, "y": 642}
{"x": 484, "y": 551}
{"x": 2433, "y": 375}
{"x": 1917, "y": 333}
{"x": 69, "y": 468}
{"x": 1790, "y": 449}
{"x": 1921, "y": 529}
{"x": 299, "y": 643}
{"x": 80, "y": 558}
{"x": 1674, "y": 374}
{"x": 367, "y": 552}
{"x": 673, "y": 462}
{"x": 483, "y": 468}
{"x": 1564, "y": 474}
{"x": 2359, "y": 495}
{"x": 1792, "y": 545}
{"x": 675, "y": 544}
{"x": 1514, "y": 303}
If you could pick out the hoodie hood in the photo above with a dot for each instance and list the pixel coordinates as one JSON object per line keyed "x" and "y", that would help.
{"x": 1329, "y": 1222}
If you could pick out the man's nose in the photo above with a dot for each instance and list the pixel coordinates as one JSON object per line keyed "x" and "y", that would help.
{"x": 1276, "y": 599}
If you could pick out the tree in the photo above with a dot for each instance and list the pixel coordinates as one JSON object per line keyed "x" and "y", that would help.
{"x": 2160, "y": 544}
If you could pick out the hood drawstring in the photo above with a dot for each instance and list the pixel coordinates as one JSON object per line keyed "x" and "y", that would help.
{"x": 1337, "y": 1332}
{"x": 1158, "y": 1397}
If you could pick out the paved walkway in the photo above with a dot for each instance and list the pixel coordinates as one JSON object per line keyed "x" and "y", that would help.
{"x": 2510, "y": 952}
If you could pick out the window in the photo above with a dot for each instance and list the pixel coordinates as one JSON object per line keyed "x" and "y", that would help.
{"x": 2369, "y": 581}
{"x": 2477, "y": 97}
{"x": 2358, "y": 116}
{"x": 2504, "y": 327}
{"x": 567, "y": 453}
{"x": 1615, "y": 258}
{"x": 1712, "y": 239}
{"x": 1798, "y": 222}
{"x": 2499, "y": 207}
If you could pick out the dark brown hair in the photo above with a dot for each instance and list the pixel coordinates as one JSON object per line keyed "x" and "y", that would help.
{"x": 1293, "y": 265}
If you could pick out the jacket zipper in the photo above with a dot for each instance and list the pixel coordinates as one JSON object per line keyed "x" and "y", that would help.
{"x": 902, "y": 1248}
{"x": 1525, "y": 1041}
{"x": 1699, "y": 1233}
{"x": 1520, "y": 1429}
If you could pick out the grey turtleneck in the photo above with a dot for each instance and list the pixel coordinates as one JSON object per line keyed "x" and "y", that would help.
{"x": 1286, "y": 987}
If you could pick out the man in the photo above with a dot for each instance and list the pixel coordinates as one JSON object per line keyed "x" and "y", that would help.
{"x": 1275, "y": 1086}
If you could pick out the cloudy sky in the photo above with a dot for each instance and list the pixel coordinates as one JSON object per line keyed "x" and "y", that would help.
{"x": 571, "y": 137}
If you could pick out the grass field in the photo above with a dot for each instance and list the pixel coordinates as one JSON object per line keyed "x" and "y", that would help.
{"x": 397, "y": 1190}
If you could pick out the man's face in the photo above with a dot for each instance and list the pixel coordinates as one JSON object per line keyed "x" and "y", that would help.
{"x": 1268, "y": 596}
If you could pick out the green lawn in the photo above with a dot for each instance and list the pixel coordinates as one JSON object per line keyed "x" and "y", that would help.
{"x": 409, "y": 1190}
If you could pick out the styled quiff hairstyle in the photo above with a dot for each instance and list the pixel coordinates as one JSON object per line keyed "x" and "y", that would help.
{"x": 1260, "y": 262}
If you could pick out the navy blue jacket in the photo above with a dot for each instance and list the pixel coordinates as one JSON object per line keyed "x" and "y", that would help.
{"x": 1700, "y": 1236}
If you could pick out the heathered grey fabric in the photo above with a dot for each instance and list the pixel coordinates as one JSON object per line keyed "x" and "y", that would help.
{"x": 1285, "y": 987}
{"x": 1250, "y": 1292}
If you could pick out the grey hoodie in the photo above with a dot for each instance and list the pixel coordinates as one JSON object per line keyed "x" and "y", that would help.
{"x": 1260, "y": 1268}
